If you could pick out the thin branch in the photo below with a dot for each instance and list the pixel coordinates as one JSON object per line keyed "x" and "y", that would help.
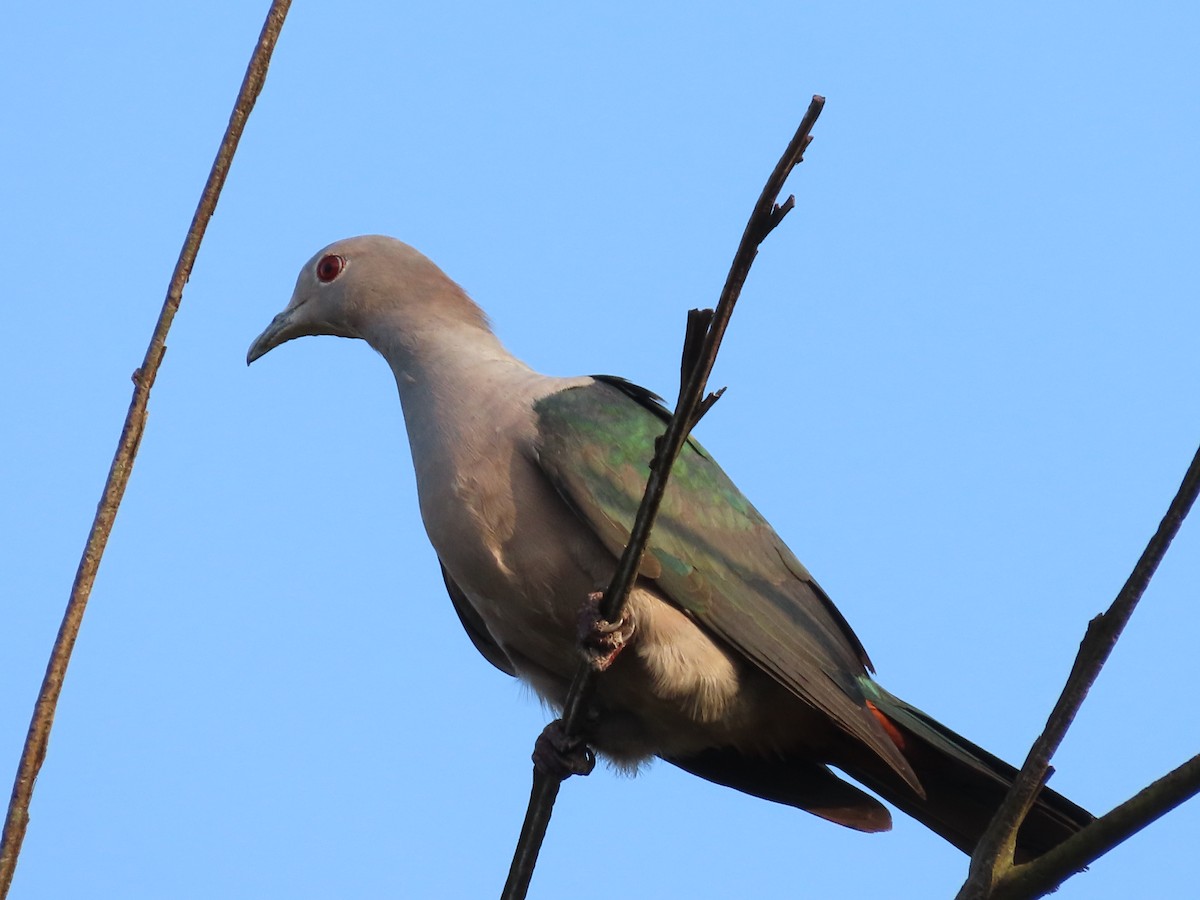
{"x": 34, "y": 751}
{"x": 1044, "y": 874}
{"x": 993, "y": 856}
{"x": 699, "y": 357}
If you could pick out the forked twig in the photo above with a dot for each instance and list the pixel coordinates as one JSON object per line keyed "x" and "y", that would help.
{"x": 1041, "y": 876}
{"x": 34, "y": 751}
{"x": 705, "y": 330}
{"x": 992, "y": 872}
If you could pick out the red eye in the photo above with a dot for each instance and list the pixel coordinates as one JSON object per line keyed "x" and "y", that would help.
{"x": 330, "y": 267}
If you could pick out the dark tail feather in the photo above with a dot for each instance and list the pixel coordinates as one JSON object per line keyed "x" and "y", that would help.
{"x": 964, "y": 785}
{"x": 798, "y": 782}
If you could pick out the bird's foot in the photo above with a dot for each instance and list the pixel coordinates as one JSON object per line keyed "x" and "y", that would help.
{"x": 560, "y": 756}
{"x": 602, "y": 641}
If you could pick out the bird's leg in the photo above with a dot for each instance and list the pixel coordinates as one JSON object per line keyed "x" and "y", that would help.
{"x": 600, "y": 640}
{"x": 560, "y": 756}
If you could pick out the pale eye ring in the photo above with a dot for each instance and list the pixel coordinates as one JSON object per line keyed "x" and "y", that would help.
{"x": 330, "y": 267}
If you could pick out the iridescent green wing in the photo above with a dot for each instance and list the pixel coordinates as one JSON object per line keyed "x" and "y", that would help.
{"x": 711, "y": 552}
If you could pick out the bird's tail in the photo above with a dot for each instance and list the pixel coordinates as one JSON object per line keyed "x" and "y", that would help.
{"x": 964, "y": 784}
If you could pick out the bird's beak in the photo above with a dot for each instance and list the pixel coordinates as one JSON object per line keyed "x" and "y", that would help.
{"x": 283, "y": 328}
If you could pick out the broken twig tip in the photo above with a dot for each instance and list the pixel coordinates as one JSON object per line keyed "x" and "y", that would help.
{"x": 705, "y": 405}
{"x": 779, "y": 210}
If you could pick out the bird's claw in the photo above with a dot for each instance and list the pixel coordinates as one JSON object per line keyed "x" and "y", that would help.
{"x": 560, "y": 756}
{"x": 602, "y": 641}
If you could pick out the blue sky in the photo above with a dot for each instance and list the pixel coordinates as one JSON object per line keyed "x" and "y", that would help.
{"x": 962, "y": 385}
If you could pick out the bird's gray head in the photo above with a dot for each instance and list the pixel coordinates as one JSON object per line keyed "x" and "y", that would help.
{"x": 355, "y": 287}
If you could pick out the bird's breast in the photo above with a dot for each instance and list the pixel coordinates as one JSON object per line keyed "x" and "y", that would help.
{"x": 523, "y": 559}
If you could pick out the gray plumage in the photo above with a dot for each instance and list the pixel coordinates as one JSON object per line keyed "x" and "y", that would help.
{"x": 740, "y": 669}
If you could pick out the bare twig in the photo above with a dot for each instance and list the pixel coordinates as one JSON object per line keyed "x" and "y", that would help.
{"x": 1044, "y": 874}
{"x": 705, "y": 331}
{"x": 34, "y": 751}
{"x": 993, "y": 858}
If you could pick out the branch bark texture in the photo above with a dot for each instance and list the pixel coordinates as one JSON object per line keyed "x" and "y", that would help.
{"x": 37, "y": 738}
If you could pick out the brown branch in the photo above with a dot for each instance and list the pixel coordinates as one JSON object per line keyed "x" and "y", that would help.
{"x": 34, "y": 751}
{"x": 703, "y": 339}
{"x": 993, "y": 857}
{"x": 1044, "y": 874}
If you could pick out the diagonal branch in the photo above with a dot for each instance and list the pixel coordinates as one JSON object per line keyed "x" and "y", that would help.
{"x": 993, "y": 857}
{"x": 705, "y": 330}
{"x": 1044, "y": 874}
{"x": 34, "y": 751}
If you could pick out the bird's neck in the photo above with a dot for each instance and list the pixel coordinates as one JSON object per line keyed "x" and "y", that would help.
{"x": 458, "y": 387}
{"x": 442, "y": 368}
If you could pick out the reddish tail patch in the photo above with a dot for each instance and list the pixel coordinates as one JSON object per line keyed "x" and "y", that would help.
{"x": 888, "y": 725}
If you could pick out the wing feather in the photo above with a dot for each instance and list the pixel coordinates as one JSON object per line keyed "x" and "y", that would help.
{"x": 711, "y": 552}
{"x": 475, "y": 627}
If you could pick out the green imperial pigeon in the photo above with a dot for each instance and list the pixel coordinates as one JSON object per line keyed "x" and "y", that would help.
{"x": 736, "y": 665}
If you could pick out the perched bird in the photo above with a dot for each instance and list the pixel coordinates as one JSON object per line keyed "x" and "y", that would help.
{"x": 736, "y": 665}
